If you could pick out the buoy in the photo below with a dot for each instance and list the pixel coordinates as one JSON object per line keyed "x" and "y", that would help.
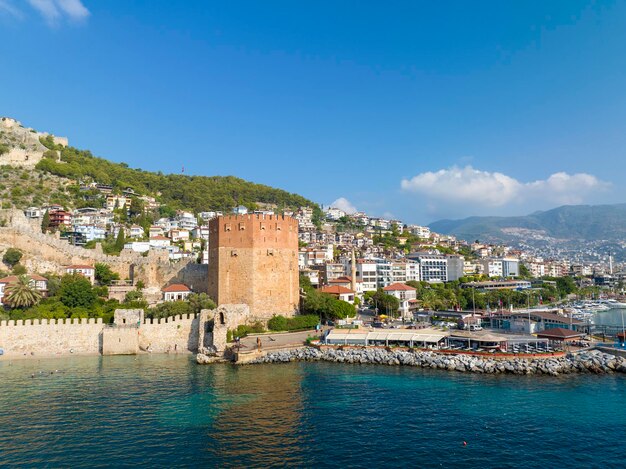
{"x": 465, "y": 443}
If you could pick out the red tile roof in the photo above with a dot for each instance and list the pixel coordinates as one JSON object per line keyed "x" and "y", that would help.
{"x": 13, "y": 278}
{"x": 336, "y": 290}
{"x": 78, "y": 266}
{"x": 341, "y": 280}
{"x": 398, "y": 287}
{"x": 175, "y": 288}
{"x": 559, "y": 333}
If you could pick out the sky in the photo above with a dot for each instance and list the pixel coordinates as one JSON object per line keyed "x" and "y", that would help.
{"x": 416, "y": 110}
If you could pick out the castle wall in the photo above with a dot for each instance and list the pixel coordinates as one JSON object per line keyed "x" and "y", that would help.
{"x": 120, "y": 341}
{"x": 65, "y": 337}
{"x": 170, "y": 335}
{"x": 46, "y": 253}
{"x": 51, "y": 337}
{"x": 253, "y": 260}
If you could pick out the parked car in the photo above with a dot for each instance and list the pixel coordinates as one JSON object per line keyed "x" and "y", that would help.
{"x": 475, "y": 327}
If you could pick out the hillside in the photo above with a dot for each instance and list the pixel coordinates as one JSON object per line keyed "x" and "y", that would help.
{"x": 570, "y": 222}
{"x": 71, "y": 166}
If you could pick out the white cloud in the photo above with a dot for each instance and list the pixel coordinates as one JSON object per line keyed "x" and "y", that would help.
{"x": 74, "y": 9}
{"x": 344, "y": 204}
{"x": 6, "y": 6}
{"x": 468, "y": 185}
{"x": 54, "y": 10}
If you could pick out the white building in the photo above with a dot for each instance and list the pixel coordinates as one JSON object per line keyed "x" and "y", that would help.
{"x": 406, "y": 295}
{"x": 136, "y": 232}
{"x": 138, "y": 246}
{"x": 419, "y": 231}
{"x": 87, "y": 271}
{"x": 334, "y": 213}
{"x": 176, "y": 292}
{"x": 33, "y": 212}
{"x": 90, "y": 232}
{"x": 433, "y": 267}
{"x": 159, "y": 242}
{"x": 186, "y": 220}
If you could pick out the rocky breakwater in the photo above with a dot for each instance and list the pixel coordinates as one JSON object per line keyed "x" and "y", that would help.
{"x": 592, "y": 361}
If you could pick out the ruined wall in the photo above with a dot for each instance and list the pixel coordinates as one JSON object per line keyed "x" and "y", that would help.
{"x": 48, "y": 253}
{"x": 253, "y": 259}
{"x": 223, "y": 318}
{"x": 51, "y": 337}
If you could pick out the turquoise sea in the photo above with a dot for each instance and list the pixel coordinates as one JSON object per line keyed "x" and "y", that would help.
{"x": 166, "y": 411}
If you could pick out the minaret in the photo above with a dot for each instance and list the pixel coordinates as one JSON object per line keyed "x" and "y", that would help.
{"x": 353, "y": 272}
{"x": 610, "y": 263}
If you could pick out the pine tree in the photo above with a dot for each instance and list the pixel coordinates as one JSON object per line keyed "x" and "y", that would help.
{"x": 120, "y": 240}
{"x": 45, "y": 222}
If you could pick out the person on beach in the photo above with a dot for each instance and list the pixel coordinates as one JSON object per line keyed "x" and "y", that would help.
{"x": 258, "y": 343}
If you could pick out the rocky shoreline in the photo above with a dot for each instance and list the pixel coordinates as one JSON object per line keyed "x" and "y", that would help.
{"x": 588, "y": 361}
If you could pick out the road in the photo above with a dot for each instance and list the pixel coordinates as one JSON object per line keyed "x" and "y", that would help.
{"x": 276, "y": 340}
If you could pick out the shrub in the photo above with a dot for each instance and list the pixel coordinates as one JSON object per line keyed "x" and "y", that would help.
{"x": 302, "y": 322}
{"x": 12, "y": 256}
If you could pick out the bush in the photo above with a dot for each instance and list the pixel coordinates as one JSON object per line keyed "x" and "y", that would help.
{"x": 12, "y": 256}
{"x": 302, "y": 322}
{"x": 243, "y": 330}
{"x": 19, "y": 269}
{"x": 51, "y": 154}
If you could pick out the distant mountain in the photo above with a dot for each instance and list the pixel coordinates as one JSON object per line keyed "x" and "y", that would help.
{"x": 569, "y": 222}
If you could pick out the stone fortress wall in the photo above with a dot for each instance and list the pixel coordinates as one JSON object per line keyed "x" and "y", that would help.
{"x": 47, "y": 253}
{"x": 253, "y": 260}
{"x": 32, "y": 150}
{"x": 64, "y": 337}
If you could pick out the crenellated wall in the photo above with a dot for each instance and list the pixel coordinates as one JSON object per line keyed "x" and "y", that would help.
{"x": 169, "y": 335}
{"x": 62, "y": 337}
{"x": 50, "y": 337}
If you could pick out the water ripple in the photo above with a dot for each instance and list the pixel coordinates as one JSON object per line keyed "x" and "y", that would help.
{"x": 162, "y": 411}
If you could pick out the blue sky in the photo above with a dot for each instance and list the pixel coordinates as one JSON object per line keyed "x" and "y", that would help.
{"x": 419, "y": 110}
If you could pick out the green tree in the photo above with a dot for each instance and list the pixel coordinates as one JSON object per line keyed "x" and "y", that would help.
{"x": 19, "y": 269}
{"x": 523, "y": 271}
{"x": 200, "y": 301}
{"x": 76, "y": 291}
{"x": 104, "y": 274}
{"x": 120, "y": 240}
{"x": 45, "y": 222}
{"x": 387, "y": 304}
{"x": 12, "y": 256}
{"x": 565, "y": 285}
{"x": 21, "y": 294}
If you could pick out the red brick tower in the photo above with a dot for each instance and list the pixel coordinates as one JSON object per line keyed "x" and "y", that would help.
{"x": 253, "y": 259}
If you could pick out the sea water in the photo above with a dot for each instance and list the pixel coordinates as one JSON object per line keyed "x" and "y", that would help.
{"x": 167, "y": 411}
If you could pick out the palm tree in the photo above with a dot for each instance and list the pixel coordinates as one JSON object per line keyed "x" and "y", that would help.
{"x": 20, "y": 294}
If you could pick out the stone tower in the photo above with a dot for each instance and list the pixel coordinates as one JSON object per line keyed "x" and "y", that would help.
{"x": 253, "y": 259}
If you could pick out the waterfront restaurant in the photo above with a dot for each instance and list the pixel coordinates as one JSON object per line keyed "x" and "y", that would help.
{"x": 540, "y": 320}
{"x": 558, "y": 334}
{"x": 464, "y": 340}
{"x": 388, "y": 338}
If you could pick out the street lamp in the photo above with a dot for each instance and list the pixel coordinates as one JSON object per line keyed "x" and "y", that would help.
{"x": 528, "y": 303}
{"x": 473, "y": 301}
